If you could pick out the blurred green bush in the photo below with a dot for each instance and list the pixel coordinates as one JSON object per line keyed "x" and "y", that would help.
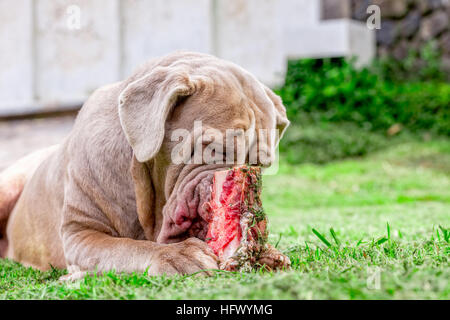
{"x": 340, "y": 111}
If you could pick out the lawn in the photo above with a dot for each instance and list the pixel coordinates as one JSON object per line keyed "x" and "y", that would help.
{"x": 368, "y": 228}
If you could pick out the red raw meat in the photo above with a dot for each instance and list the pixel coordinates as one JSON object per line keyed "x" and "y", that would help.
{"x": 237, "y": 226}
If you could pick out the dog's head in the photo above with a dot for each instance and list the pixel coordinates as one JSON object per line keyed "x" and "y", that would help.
{"x": 184, "y": 118}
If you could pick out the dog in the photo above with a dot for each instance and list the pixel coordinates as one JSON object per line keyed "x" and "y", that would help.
{"x": 109, "y": 197}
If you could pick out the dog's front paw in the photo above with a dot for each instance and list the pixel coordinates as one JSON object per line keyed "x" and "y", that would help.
{"x": 74, "y": 274}
{"x": 186, "y": 257}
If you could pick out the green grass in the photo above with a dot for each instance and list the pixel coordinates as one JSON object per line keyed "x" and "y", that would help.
{"x": 370, "y": 228}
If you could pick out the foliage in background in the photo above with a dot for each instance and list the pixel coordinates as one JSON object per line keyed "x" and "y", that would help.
{"x": 420, "y": 66}
{"x": 340, "y": 111}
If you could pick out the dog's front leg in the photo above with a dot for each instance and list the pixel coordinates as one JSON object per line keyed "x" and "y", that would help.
{"x": 92, "y": 251}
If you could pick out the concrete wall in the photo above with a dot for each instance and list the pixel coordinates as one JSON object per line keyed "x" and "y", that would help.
{"x": 45, "y": 62}
{"x": 248, "y": 33}
{"x": 16, "y": 53}
{"x": 72, "y": 63}
{"x": 157, "y": 27}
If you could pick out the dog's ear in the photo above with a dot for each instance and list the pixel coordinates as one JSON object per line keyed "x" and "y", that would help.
{"x": 145, "y": 104}
{"x": 282, "y": 121}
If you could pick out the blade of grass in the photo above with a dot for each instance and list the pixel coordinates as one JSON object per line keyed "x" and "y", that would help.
{"x": 388, "y": 228}
{"x": 381, "y": 240}
{"x": 279, "y": 239}
{"x": 445, "y": 233}
{"x": 322, "y": 238}
{"x": 333, "y": 234}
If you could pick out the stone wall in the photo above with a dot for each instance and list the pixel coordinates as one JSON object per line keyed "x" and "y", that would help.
{"x": 409, "y": 25}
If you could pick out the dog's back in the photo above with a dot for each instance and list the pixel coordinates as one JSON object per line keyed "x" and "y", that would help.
{"x": 12, "y": 182}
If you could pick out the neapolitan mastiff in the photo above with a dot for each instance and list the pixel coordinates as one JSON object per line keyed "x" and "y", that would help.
{"x": 109, "y": 197}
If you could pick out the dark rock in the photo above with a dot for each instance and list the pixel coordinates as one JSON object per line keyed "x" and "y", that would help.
{"x": 445, "y": 65}
{"x": 359, "y": 9}
{"x": 444, "y": 43}
{"x": 401, "y": 50}
{"x": 392, "y": 8}
{"x": 410, "y": 24}
{"x": 336, "y": 9}
{"x": 434, "y": 25}
{"x": 416, "y": 43}
{"x": 388, "y": 33}
{"x": 383, "y": 52}
{"x": 427, "y": 6}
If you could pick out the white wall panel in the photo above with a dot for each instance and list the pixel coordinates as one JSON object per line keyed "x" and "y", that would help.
{"x": 249, "y": 34}
{"x": 157, "y": 27}
{"x": 72, "y": 63}
{"x": 16, "y": 32}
